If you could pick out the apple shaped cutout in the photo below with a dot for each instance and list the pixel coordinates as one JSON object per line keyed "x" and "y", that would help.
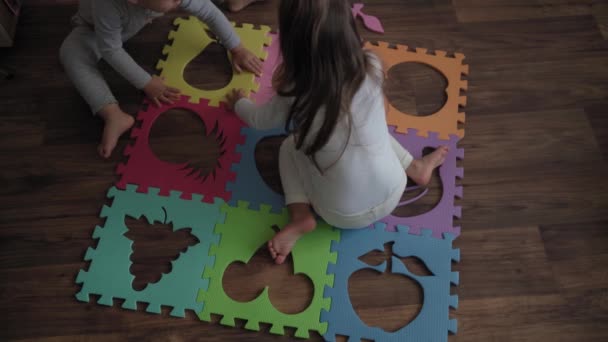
{"x": 372, "y": 291}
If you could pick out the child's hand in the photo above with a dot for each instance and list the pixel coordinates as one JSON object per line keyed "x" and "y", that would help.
{"x": 243, "y": 59}
{"x": 233, "y": 97}
{"x": 158, "y": 92}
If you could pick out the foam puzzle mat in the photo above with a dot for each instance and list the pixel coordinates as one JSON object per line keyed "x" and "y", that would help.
{"x": 232, "y": 211}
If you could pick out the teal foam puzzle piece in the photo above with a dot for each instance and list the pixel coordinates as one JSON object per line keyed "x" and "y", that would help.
{"x": 108, "y": 274}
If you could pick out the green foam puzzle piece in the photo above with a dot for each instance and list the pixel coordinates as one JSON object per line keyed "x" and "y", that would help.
{"x": 242, "y": 234}
{"x": 108, "y": 274}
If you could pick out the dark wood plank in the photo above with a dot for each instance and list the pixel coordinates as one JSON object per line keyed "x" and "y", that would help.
{"x": 578, "y": 255}
{"x": 500, "y": 10}
{"x": 503, "y": 263}
{"x": 526, "y": 318}
{"x": 596, "y": 114}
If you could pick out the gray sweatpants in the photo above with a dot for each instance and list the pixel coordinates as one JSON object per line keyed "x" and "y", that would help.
{"x": 80, "y": 58}
{"x": 80, "y": 53}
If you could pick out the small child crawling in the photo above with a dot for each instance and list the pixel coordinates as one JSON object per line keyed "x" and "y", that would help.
{"x": 101, "y": 28}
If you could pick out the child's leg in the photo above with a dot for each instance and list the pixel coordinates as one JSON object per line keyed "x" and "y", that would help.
{"x": 235, "y": 5}
{"x": 404, "y": 155}
{"x": 419, "y": 170}
{"x": 80, "y": 56}
{"x": 301, "y": 219}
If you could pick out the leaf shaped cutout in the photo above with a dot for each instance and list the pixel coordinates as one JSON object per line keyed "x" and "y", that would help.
{"x": 357, "y": 9}
{"x": 372, "y": 23}
{"x": 369, "y": 21}
{"x": 374, "y": 258}
{"x": 389, "y": 301}
{"x": 416, "y": 266}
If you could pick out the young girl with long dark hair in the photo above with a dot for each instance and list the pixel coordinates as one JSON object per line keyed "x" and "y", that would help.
{"x": 339, "y": 158}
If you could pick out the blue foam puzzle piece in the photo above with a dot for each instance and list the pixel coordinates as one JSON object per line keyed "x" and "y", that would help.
{"x": 249, "y": 185}
{"x": 432, "y": 323}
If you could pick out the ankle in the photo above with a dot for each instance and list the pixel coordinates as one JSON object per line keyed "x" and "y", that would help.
{"x": 305, "y": 224}
{"x": 238, "y": 5}
{"x": 111, "y": 111}
{"x": 415, "y": 167}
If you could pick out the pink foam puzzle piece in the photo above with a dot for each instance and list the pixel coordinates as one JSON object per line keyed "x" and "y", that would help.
{"x": 146, "y": 170}
{"x": 369, "y": 21}
{"x": 272, "y": 61}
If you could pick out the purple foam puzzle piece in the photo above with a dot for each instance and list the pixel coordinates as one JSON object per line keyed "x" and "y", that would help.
{"x": 440, "y": 218}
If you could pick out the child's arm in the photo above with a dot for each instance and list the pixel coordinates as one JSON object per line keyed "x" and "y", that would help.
{"x": 108, "y": 29}
{"x": 208, "y": 13}
{"x": 272, "y": 114}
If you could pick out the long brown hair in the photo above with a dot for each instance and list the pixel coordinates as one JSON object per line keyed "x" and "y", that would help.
{"x": 323, "y": 66}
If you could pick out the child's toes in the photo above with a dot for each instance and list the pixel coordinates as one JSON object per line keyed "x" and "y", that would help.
{"x": 279, "y": 259}
{"x": 102, "y": 151}
{"x": 273, "y": 253}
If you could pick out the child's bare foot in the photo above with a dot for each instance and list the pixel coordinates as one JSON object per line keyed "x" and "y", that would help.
{"x": 116, "y": 123}
{"x": 281, "y": 244}
{"x": 421, "y": 170}
{"x": 237, "y": 5}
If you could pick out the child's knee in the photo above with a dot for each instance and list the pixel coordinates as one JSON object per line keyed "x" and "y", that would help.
{"x": 68, "y": 51}
{"x": 64, "y": 53}
{"x": 76, "y": 49}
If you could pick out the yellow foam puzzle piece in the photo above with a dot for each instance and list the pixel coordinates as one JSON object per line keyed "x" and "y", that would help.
{"x": 189, "y": 40}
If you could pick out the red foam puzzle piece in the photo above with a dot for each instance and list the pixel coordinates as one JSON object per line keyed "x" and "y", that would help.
{"x": 145, "y": 169}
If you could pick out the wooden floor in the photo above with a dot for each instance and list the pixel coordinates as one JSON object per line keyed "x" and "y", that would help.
{"x": 534, "y": 237}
